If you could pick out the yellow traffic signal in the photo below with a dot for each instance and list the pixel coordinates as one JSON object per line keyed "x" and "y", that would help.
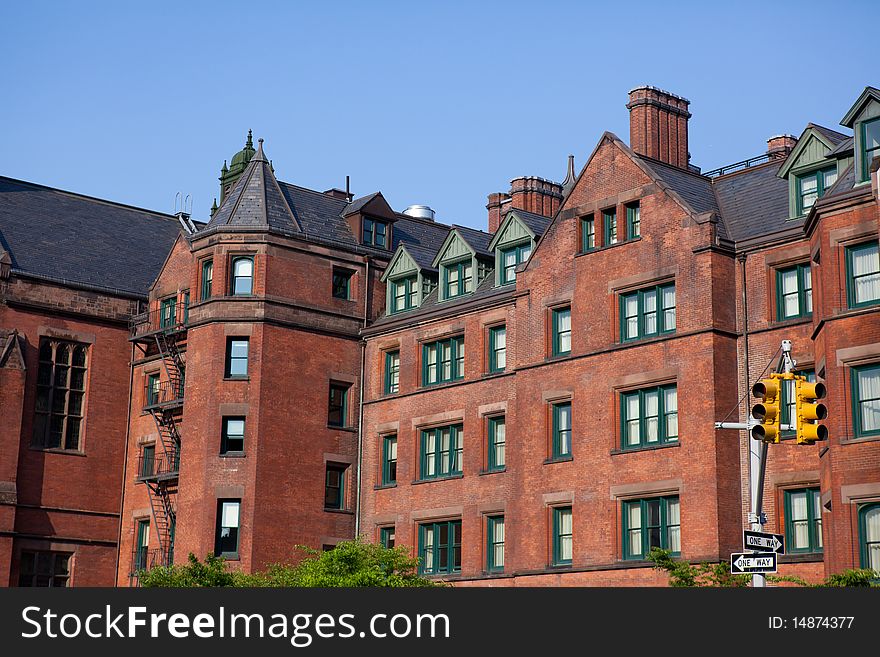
{"x": 768, "y": 411}
{"x": 808, "y": 412}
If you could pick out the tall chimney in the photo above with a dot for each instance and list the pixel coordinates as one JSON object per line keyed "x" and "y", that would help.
{"x": 496, "y": 208}
{"x": 658, "y": 125}
{"x": 780, "y": 146}
{"x": 536, "y": 195}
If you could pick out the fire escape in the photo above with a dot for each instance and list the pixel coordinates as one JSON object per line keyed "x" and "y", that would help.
{"x": 161, "y": 332}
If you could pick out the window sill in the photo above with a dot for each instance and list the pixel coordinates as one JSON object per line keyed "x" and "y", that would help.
{"x": 230, "y": 557}
{"x": 232, "y": 455}
{"x": 860, "y": 439}
{"x": 431, "y": 386}
{"x": 387, "y": 395}
{"x": 802, "y": 557}
{"x": 345, "y": 512}
{"x": 493, "y": 471}
{"x": 57, "y": 450}
{"x": 863, "y": 305}
{"x": 605, "y": 247}
{"x": 558, "y": 459}
{"x": 793, "y": 321}
{"x": 237, "y": 378}
{"x": 432, "y": 480}
{"x": 333, "y": 427}
{"x": 646, "y": 448}
{"x": 563, "y": 356}
{"x": 488, "y": 375}
{"x": 649, "y": 338}
{"x": 385, "y": 486}
{"x": 559, "y": 566}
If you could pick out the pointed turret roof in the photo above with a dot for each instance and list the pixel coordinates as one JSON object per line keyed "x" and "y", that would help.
{"x": 256, "y": 200}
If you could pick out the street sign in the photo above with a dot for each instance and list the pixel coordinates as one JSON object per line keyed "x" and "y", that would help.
{"x": 752, "y": 563}
{"x": 761, "y": 542}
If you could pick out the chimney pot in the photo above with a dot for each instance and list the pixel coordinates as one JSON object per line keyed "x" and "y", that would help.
{"x": 658, "y": 125}
{"x": 779, "y": 146}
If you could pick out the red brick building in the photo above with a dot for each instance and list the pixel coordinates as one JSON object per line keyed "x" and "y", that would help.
{"x": 529, "y": 405}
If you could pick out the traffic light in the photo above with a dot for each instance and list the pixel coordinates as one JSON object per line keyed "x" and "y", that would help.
{"x": 768, "y": 411}
{"x": 808, "y": 412}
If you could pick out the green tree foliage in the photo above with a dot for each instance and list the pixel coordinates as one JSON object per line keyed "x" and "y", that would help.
{"x": 350, "y": 564}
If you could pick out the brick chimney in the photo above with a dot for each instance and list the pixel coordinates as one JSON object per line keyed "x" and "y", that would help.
{"x": 780, "y": 146}
{"x": 658, "y": 125}
{"x": 498, "y": 204}
{"x": 536, "y": 195}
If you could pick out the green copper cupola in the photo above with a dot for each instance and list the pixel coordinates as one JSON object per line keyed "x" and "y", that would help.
{"x": 239, "y": 162}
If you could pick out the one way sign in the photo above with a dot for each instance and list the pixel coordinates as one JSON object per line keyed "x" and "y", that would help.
{"x": 761, "y": 542}
{"x": 752, "y": 563}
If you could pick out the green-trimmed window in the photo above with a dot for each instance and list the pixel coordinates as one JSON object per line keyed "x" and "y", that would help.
{"x": 337, "y": 407}
{"x": 458, "y": 279}
{"x": 633, "y": 221}
{"x": 869, "y": 536}
{"x": 497, "y": 348}
{"x": 561, "y": 442}
{"x": 561, "y": 330}
{"x": 60, "y": 403}
{"x": 404, "y": 294}
{"x": 334, "y": 486}
{"x": 562, "y": 536}
{"x": 441, "y": 452}
{"x": 389, "y": 460}
{"x": 649, "y": 417}
{"x": 794, "y": 292}
{"x": 495, "y": 453}
{"x": 141, "y": 546}
{"x": 803, "y": 520}
{"x": 226, "y": 537}
{"x": 495, "y": 544}
{"x": 440, "y": 547}
{"x": 232, "y": 439}
{"x": 392, "y": 372}
{"x": 45, "y": 569}
{"x": 812, "y": 186}
{"x": 153, "y": 389}
{"x": 866, "y": 400}
{"x": 863, "y": 274}
{"x": 648, "y": 523}
{"x": 243, "y": 276}
{"x": 168, "y": 312}
{"x": 510, "y": 258}
{"x": 609, "y": 222}
{"x": 207, "y": 278}
{"x": 787, "y": 412}
{"x": 236, "y": 357}
{"x": 443, "y": 361}
{"x": 647, "y": 313}
{"x": 588, "y": 233}
{"x": 342, "y": 283}
{"x": 148, "y": 461}
{"x": 386, "y": 537}
{"x": 375, "y": 233}
{"x": 870, "y": 145}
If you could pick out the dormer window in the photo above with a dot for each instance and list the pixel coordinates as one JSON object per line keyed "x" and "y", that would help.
{"x": 510, "y": 258}
{"x": 458, "y": 279}
{"x": 870, "y": 145}
{"x": 812, "y": 186}
{"x": 375, "y": 233}
{"x": 404, "y": 294}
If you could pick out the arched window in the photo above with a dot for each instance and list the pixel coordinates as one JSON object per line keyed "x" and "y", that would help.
{"x": 243, "y": 276}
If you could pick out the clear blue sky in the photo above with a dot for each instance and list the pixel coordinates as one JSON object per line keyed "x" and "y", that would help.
{"x": 439, "y": 103}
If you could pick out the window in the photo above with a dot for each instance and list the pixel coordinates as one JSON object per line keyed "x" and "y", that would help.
{"x": 812, "y": 186}
{"x": 497, "y": 348}
{"x": 404, "y": 294}
{"x": 44, "y": 569}
{"x": 207, "y": 278}
{"x": 787, "y": 413}
{"x": 441, "y": 452}
{"x": 495, "y": 544}
{"x": 342, "y": 283}
{"x": 148, "y": 461}
{"x": 803, "y": 520}
{"x": 647, "y": 313}
{"x": 497, "y": 442}
{"x": 386, "y": 537}
{"x": 443, "y": 361}
{"x": 870, "y": 145}
{"x": 633, "y": 221}
{"x": 153, "y": 389}
{"x": 648, "y": 523}
{"x": 337, "y": 412}
{"x": 334, "y": 486}
{"x": 389, "y": 460}
{"x": 561, "y": 443}
{"x": 168, "y": 312}
{"x": 562, "y": 535}
{"x": 226, "y": 539}
{"x": 440, "y": 547}
{"x": 392, "y": 372}
{"x": 236, "y": 357}
{"x": 561, "y": 318}
{"x": 458, "y": 279}
{"x": 863, "y": 274}
{"x": 61, "y": 385}
{"x": 866, "y": 400}
{"x": 588, "y": 233}
{"x": 609, "y": 220}
{"x": 140, "y": 559}
{"x": 649, "y": 416}
{"x": 869, "y": 536}
{"x": 794, "y": 292}
{"x": 375, "y": 233}
{"x": 510, "y": 258}
{"x": 232, "y": 440}
{"x": 242, "y": 276}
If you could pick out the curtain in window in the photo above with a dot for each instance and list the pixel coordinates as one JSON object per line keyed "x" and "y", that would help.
{"x": 634, "y": 522}
{"x": 817, "y": 518}
{"x": 673, "y": 522}
{"x": 429, "y": 549}
{"x": 866, "y": 272}
{"x": 808, "y": 289}
{"x": 498, "y": 543}
{"x": 799, "y": 524}
{"x": 632, "y": 419}
{"x": 670, "y": 403}
{"x": 563, "y": 328}
{"x": 650, "y": 301}
{"x": 652, "y": 410}
{"x": 869, "y": 398}
{"x": 790, "y": 306}
{"x": 501, "y": 349}
{"x": 631, "y": 313}
{"x": 668, "y": 308}
{"x": 430, "y": 444}
{"x": 872, "y": 538}
{"x": 565, "y": 535}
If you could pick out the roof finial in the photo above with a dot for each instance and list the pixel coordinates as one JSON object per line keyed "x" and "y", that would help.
{"x": 570, "y": 175}
{"x": 250, "y": 140}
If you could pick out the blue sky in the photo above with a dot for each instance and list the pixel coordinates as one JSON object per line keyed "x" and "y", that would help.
{"x": 438, "y": 103}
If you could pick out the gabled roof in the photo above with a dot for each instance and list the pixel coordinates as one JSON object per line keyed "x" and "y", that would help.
{"x": 870, "y": 93}
{"x": 256, "y": 200}
{"x": 843, "y": 148}
{"x": 11, "y": 352}
{"x": 476, "y": 239}
{"x": 843, "y": 184}
{"x": 829, "y": 138}
{"x": 833, "y": 136}
{"x": 537, "y": 223}
{"x": 83, "y": 241}
{"x": 534, "y": 224}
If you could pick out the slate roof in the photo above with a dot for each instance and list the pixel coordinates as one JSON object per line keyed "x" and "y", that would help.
{"x": 537, "y": 223}
{"x": 845, "y": 146}
{"x": 81, "y": 240}
{"x": 358, "y": 203}
{"x": 317, "y": 213}
{"x": 843, "y": 184}
{"x": 695, "y": 189}
{"x": 754, "y": 202}
{"x": 477, "y": 239}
